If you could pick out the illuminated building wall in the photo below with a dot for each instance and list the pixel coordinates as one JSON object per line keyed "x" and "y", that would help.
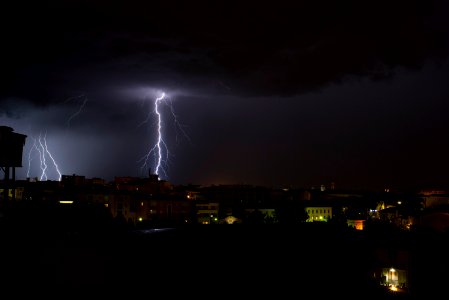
{"x": 394, "y": 277}
{"x": 357, "y": 224}
{"x": 319, "y": 214}
{"x": 16, "y": 194}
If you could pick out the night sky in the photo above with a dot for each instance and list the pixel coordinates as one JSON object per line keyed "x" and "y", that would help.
{"x": 294, "y": 93}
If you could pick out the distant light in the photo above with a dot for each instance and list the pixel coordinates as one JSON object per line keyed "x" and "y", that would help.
{"x": 392, "y": 270}
{"x": 215, "y": 219}
{"x": 106, "y": 205}
{"x": 141, "y": 203}
{"x": 230, "y": 219}
{"x": 399, "y": 202}
{"x": 393, "y": 288}
{"x": 65, "y": 201}
{"x": 140, "y": 219}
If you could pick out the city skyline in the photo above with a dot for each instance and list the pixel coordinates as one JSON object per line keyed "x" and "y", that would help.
{"x": 287, "y": 94}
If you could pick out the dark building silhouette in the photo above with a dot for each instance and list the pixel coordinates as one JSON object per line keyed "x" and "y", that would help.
{"x": 11, "y": 150}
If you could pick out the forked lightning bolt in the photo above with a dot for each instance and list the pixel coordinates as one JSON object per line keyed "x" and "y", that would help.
{"x": 30, "y": 159}
{"x": 40, "y": 145}
{"x": 159, "y": 151}
{"x": 159, "y": 133}
{"x": 160, "y": 146}
{"x": 51, "y": 157}
{"x": 43, "y": 162}
{"x": 36, "y": 146}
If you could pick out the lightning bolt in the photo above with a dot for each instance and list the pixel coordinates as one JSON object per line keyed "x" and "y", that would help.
{"x": 43, "y": 162}
{"x": 146, "y": 119}
{"x": 80, "y": 109}
{"x": 178, "y": 125}
{"x": 159, "y": 133}
{"x": 159, "y": 151}
{"x": 160, "y": 146}
{"x": 30, "y": 159}
{"x": 40, "y": 145}
{"x": 51, "y": 157}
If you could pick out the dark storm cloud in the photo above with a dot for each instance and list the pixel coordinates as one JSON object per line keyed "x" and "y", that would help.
{"x": 53, "y": 48}
{"x": 287, "y": 92}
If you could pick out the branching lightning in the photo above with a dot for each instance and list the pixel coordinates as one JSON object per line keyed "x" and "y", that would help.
{"x": 82, "y": 99}
{"x": 41, "y": 149}
{"x": 43, "y": 161}
{"x": 159, "y": 151}
{"x": 36, "y": 146}
{"x": 40, "y": 145}
{"x": 51, "y": 157}
{"x": 178, "y": 125}
{"x": 30, "y": 158}
{"x": 146, "y": 119}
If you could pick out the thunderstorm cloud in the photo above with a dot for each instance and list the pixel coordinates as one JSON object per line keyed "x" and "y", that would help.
{"x": 52, "y": 49}
{"x": 267, "y": 92}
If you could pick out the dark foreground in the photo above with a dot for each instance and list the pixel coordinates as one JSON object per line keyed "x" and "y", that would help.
{"x": 204, "y": 262}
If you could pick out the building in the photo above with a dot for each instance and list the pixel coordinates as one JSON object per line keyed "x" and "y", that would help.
{"x": 318, "y": 213}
